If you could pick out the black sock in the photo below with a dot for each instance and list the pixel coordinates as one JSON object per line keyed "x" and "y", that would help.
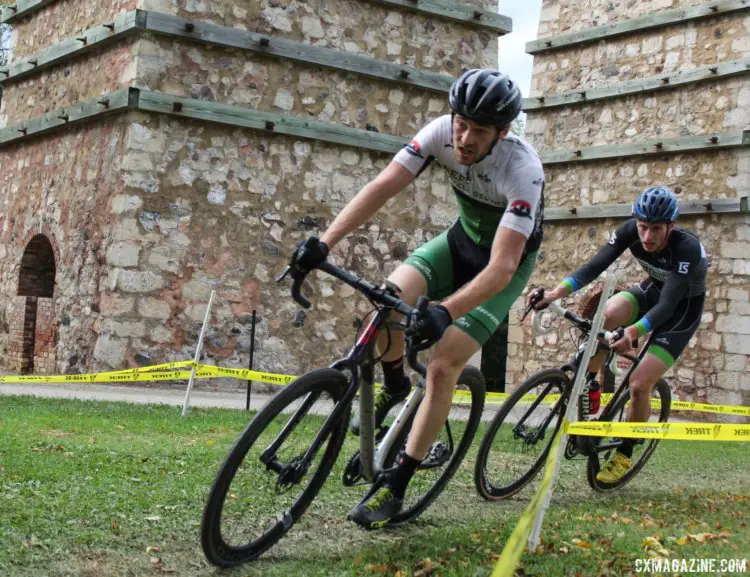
{"x": 590, "y": 376}
{"x": 627, "y": 447}
{"x": 394, "y": 376}
{"x": 398, "y": 479}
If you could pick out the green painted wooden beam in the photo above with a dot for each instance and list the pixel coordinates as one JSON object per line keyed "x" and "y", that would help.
{"x": 106, "y": 104}
{"x": 206, "y": 33}
{"x": 21, "y": 8}
{"x": 268, "y": 122}
{"x": 712, "y": 72}
{"x": 689, "y": 207}
{"x": 447, "y": 10}
{"x": 700, "y": 143}
{"x": 123, "y": 26}
{"x": 635, "y": 25}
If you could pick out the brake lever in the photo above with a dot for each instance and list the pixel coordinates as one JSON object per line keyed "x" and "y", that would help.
{"x": 284, "y": 274}
{"x": 526, "y": 313}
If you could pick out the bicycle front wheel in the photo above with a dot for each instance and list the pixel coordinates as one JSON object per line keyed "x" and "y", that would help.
{"x": 603, "y": 448}
{"x": 518, "y": 439}
{"x": 267, "y": 481}
{"x": 448, "y": 450}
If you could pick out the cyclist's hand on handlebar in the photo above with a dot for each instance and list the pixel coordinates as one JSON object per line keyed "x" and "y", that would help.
{"x": 623, "y": 340}
{"x": 309, "y": 255}
{"x": 537, "y": 299}
{"x": 426, "y": 327}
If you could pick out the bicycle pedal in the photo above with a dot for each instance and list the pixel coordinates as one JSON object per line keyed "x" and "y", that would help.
{"x": 353, "y": 471}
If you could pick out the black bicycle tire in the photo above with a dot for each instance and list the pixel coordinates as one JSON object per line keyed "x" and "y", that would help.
{"x": 216, "y": 550}
{"x": 593, "y": 467}
{"x": 472, "y": 377}
{"x": 485, "y": 489}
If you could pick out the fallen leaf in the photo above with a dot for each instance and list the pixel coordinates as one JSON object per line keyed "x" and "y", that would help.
{"x": 153, "y": 518}
{"x": 581, "y": 544}
{"x": 152, "y": 549}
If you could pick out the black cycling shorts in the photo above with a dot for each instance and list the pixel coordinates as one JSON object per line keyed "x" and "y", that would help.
{"x": 673, "y": 335}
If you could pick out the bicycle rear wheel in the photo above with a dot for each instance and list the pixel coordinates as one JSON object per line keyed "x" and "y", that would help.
{"x": 266, "y": 484}
{"x": 518, "y": 439}
{"x": 603, "y": 447}
{"x": 448, "y": 450}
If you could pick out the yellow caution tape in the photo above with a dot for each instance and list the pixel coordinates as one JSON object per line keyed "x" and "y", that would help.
{"x": 166, "y": 372}
{"x": 247, "y": 374}
{"x": 675, "y": 431}
{"x": 511, "y": 555}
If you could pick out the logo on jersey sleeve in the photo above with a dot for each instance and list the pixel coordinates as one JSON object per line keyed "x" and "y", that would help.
{"x": 613, "y": 238}
{"x": 684, "y": 268}
{"x": 414, "y": 148}
{"x": 520, "y": 208}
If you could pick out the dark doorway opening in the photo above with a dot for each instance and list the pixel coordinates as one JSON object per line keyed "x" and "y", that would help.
{"x": 35, "y": 280}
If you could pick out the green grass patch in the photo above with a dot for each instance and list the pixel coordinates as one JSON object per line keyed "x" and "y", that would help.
{"x": 109, "y": 489}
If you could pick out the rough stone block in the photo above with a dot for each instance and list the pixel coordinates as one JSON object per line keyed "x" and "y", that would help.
{"x": 110, "y": 350}
{"x": 137, "y": 281}
{"x": 123, "y": 254}
{"x": 153, "y": 308}
{"x": 737, "y": 344}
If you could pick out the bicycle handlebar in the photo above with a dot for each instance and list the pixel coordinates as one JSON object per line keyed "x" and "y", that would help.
{"x": 380, "y": 295}
{"x": 557, "y": 309}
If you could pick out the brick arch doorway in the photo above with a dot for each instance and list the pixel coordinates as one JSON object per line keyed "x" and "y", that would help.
{"x": 36, "y": 288}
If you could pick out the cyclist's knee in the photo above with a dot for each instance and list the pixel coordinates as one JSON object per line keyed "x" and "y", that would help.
{"x": 617, "y": 312}
{"x": 641, "y": 386}
{"x": 443, "y": 372}
{"x": 410, "y": 281}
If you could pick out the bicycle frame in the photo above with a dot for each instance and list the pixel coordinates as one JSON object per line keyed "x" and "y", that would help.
{"x": 574, "y": 367}
{"x": 359, "y": 362}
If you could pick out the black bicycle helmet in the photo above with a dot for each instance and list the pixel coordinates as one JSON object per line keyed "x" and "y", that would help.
{"x": 656, "y": 204}
{"x": 486, "y": 96}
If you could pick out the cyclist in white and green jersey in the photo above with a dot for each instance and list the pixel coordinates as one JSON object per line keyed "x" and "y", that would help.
{"x": 476, "y": 269}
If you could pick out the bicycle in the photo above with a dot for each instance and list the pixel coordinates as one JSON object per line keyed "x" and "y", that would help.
{"x": 499, "y": 475}
{"x": 275, "y": 452}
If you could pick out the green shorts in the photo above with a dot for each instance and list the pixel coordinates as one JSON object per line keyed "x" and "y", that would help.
{"x": 451, "y": 260}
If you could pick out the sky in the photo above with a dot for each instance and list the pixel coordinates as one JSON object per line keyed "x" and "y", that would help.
{"x": 512, "y": 59}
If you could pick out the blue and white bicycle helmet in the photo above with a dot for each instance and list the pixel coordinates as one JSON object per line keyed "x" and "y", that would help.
{"x": 656, "y": 204}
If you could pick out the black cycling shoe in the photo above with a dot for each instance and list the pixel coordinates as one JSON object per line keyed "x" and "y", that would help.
{"x": 385, "y": 400}
{"x": 376, "y": 511}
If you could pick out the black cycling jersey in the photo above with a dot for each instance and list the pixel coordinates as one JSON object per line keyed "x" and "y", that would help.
{"x": 677, "y": 271}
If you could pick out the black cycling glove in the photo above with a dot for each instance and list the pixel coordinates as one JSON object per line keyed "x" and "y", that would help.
{"x": 427, "y": 329}
{"x": 309, "y": 254}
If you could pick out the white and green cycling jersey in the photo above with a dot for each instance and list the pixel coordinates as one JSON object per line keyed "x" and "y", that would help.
{"x": 503, "y": 189}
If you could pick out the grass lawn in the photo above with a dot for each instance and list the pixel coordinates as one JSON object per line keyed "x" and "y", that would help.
{"x": 106, "y": 489}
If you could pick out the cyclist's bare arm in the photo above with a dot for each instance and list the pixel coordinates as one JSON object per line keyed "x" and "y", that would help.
{"x": 507, "y": 250}
{"x": 392, "y": 180}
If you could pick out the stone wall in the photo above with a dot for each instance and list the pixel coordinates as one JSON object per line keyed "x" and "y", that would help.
{"x": 354, "y": 26}
{"x": 245, "y": 79}
{"x": 89, "y": 76}
{"x": 696, "y": 176}
{"x": 714, "y": 367}
{"x": 61, "y": 186}
{"x": 565, "y": 17}
{"x": 662, "y": 50}
{"x": 63, "y": 19}
{"x": 694, "y": 109}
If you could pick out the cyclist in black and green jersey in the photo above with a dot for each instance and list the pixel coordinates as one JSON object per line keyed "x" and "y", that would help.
{"x": 478, "y": 267}
{"x": 669, "y": 302}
